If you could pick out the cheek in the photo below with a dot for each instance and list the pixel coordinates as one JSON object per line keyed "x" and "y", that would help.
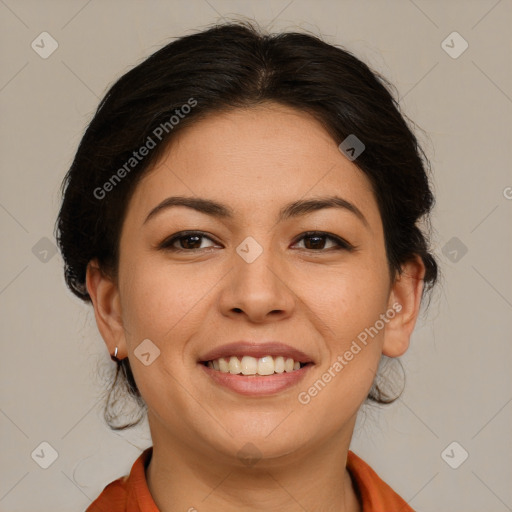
{"x": 350, "y": 299}
{"x": 158, "y": 305}
{"x": 350, "y": 308}
{"x": 156, "y": 298}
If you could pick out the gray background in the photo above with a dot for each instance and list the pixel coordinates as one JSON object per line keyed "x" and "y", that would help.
{"x": 54, "y": 364}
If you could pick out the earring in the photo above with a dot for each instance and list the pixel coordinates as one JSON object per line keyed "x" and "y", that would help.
{"x": 114, "y": 357}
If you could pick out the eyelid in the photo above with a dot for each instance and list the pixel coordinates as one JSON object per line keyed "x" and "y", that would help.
{"x": 340, "y": 242}
{"x": 167, "y": 243}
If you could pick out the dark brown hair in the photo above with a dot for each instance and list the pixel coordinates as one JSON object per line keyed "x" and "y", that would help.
{"x": 225, "y": 67}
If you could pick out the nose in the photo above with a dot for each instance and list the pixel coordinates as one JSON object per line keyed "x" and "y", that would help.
{"x": 258, "y": 288}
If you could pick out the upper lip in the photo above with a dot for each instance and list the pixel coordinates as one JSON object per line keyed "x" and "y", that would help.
{"x": 256, "y": 349}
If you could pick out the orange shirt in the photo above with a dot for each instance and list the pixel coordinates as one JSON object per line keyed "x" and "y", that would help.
{"x": 131, "y": 494}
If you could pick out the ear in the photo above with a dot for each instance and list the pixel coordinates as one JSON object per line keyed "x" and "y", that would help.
{"x": 107, "y": 308}
{"x": 406, "y": 291}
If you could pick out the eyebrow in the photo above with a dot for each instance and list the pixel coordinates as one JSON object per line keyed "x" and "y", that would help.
{"x": 294, "y": 209}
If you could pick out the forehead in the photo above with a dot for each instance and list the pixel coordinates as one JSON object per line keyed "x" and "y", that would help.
{"x": 255, "y": 160}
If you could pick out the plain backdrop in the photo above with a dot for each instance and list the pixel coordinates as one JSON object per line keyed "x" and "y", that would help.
{"x": 54, "y": 364}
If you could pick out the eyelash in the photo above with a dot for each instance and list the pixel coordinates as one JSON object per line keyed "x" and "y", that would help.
{"x": 340, "y": 243}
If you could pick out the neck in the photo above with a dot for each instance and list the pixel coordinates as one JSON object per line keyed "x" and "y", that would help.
{"x": 181, "y": 479}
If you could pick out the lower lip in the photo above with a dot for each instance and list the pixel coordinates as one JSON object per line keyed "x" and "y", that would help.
{"x": 257, "y": 385}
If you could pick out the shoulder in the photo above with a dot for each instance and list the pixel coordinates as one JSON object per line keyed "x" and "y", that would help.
{"x": 112, "y": 498}
{"x": 128, "y": 493}
{"x": 375, "y": 494}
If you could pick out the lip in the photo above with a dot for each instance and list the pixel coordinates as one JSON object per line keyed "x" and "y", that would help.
{"x": 257, "y": 385}
{"x": 257, "y": 350}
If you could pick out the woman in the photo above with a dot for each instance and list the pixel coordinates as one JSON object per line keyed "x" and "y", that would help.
{"x": 242, "y": 213}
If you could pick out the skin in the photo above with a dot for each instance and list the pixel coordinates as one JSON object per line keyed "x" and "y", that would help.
{"x": 316, "y": 299}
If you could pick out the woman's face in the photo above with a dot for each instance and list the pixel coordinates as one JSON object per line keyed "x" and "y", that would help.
{"x": 255, "y": 277}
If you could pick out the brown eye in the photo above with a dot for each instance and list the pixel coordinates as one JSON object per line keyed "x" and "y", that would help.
{"x": 184, "y": 241}
{"x": 316, "y": 241}
{"x": 313, "y": 241}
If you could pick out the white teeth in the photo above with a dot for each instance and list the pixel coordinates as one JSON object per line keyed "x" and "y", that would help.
{"x": 249, "y": 365}
{"x": 223, "y": 365}
{"x": 279, "y": 364}
{"x": 234, "y": 365}
{"x": 288, "y": 365}
{"x": 266, "y": 365}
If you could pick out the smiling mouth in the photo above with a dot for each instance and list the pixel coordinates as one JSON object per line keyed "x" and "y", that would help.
{"x": 248, "y": 365}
